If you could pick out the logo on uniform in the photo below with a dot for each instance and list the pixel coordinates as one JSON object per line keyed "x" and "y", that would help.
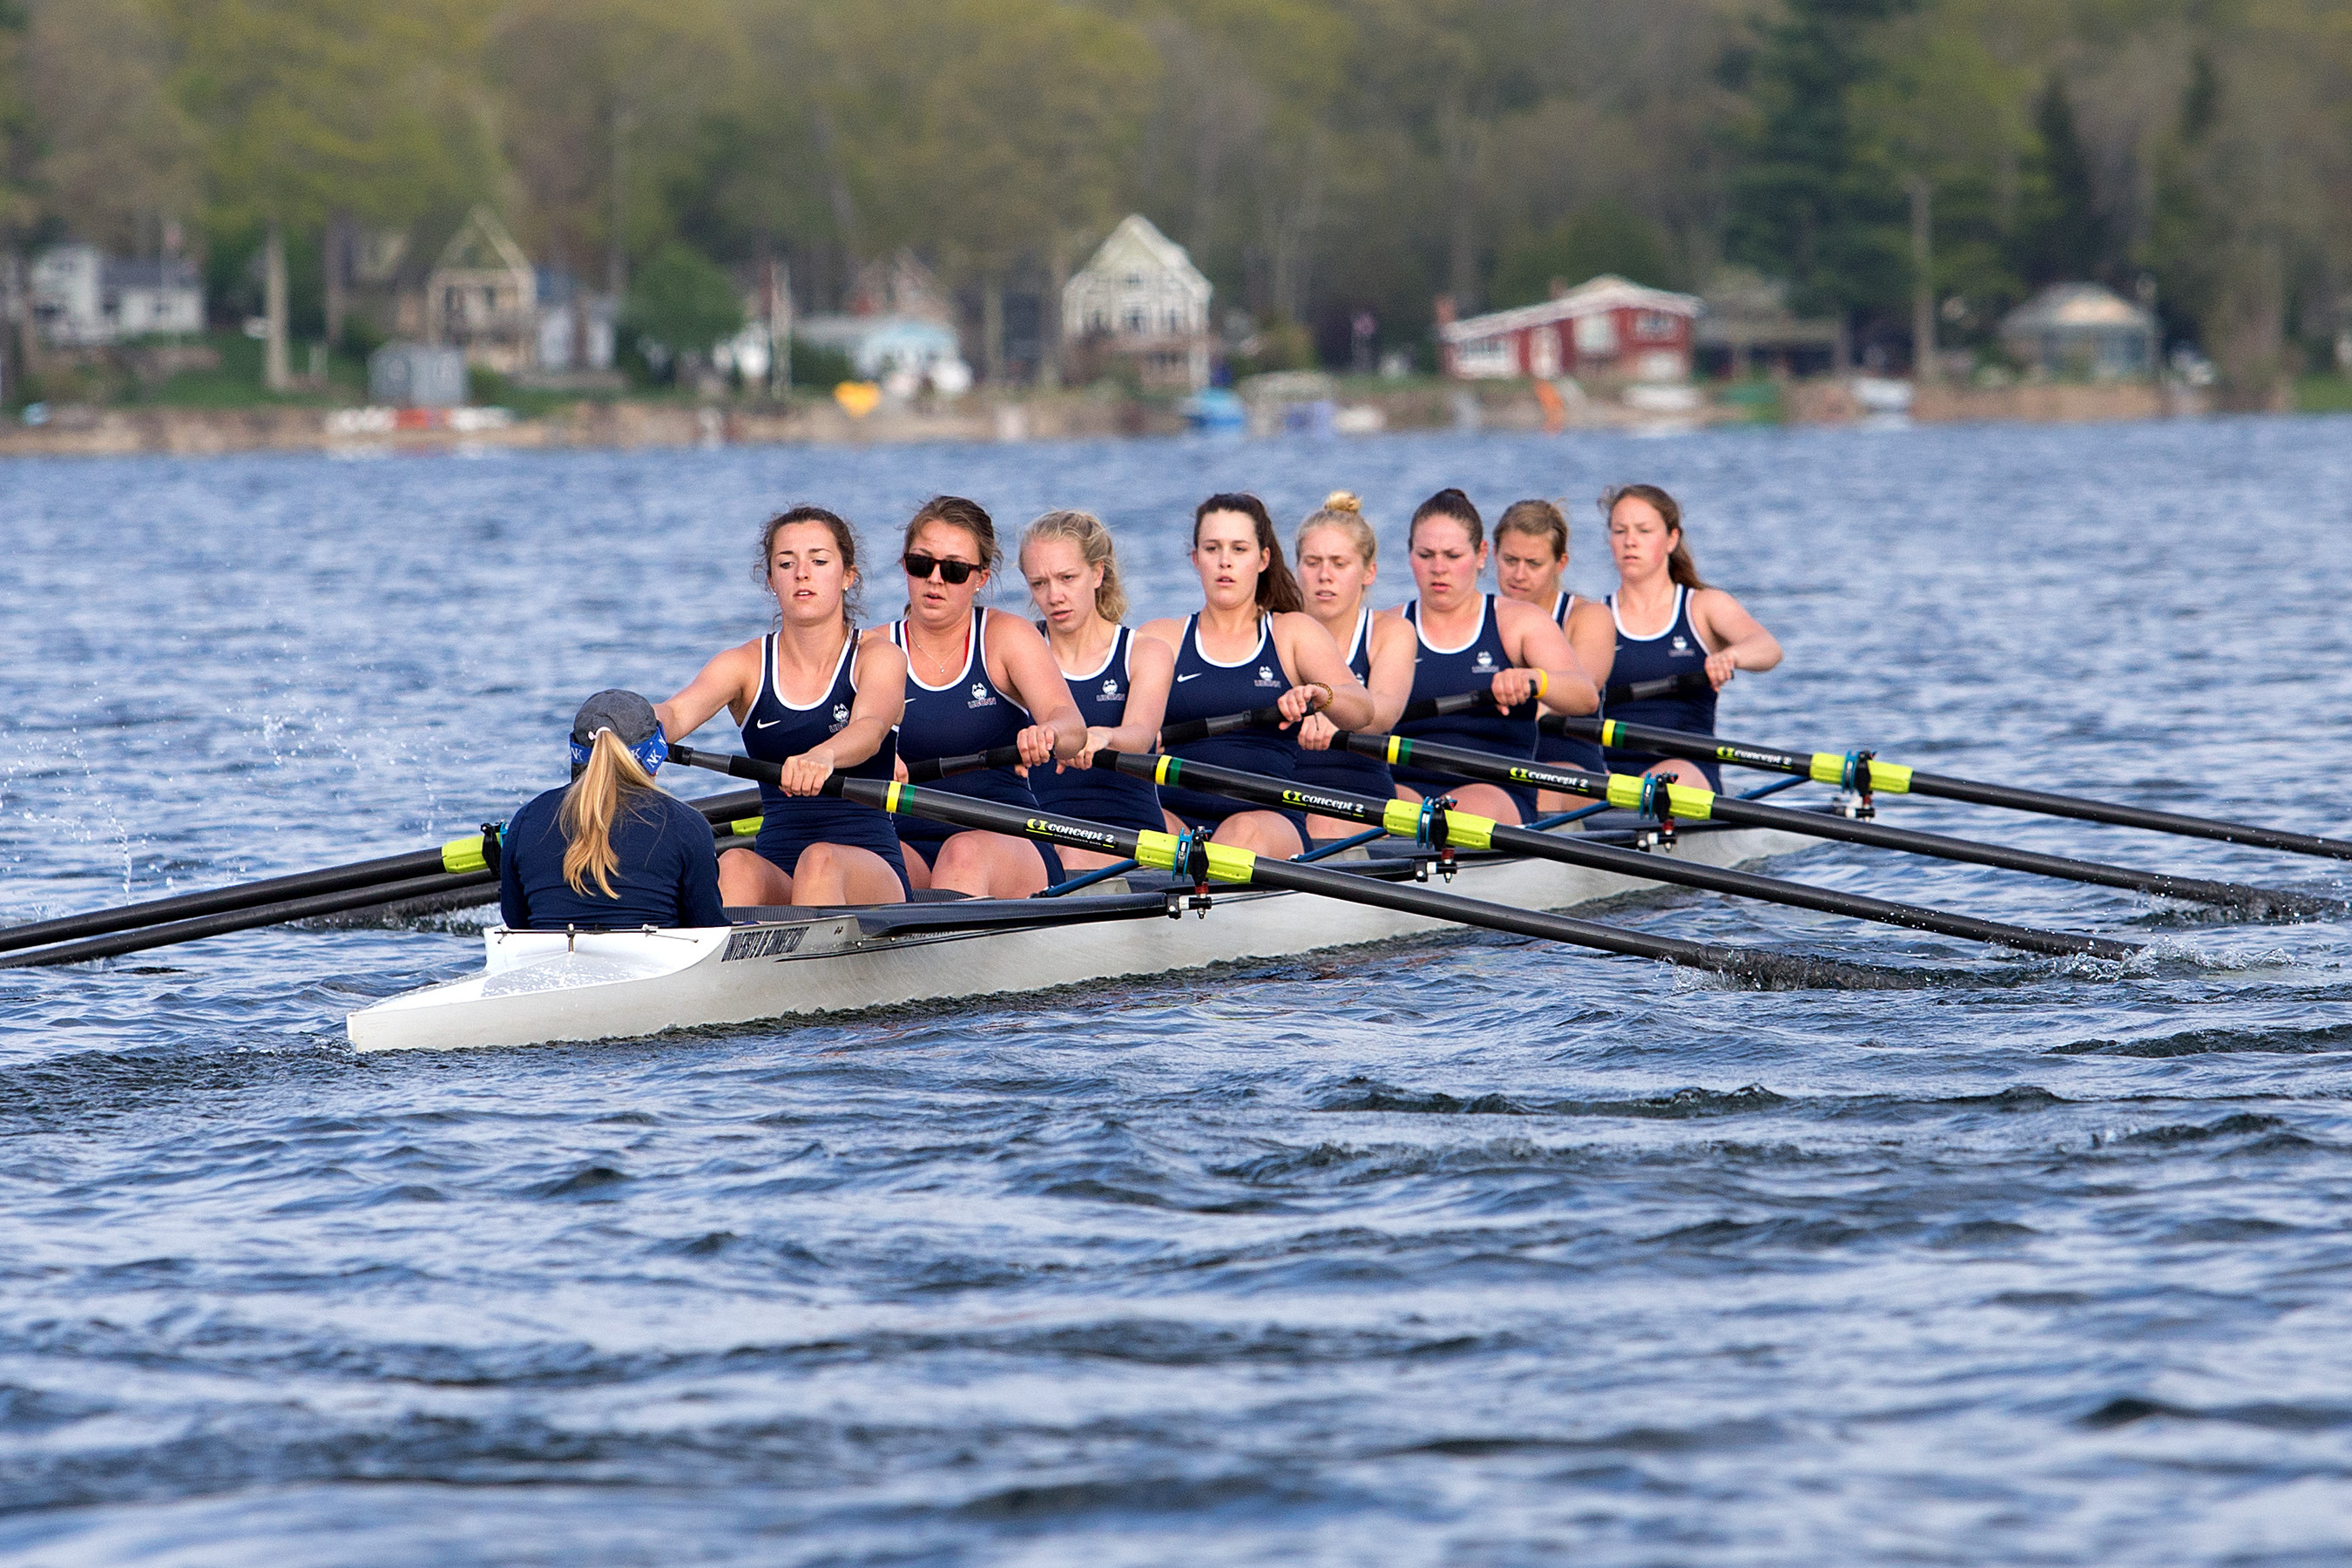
{"x": 840, "y": 715}
{"x": 1682, "y": 643}
{"x": 1485, "y": 659}
{"x": 1265, "y": 675}
{"x": 980, "y": 697}
{"x": 1110, "y": 690}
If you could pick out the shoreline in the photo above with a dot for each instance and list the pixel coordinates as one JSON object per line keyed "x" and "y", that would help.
{"x": 623, "y": 424}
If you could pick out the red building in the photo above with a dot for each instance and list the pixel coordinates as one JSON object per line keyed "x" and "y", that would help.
{"x": 1606, "y": 329}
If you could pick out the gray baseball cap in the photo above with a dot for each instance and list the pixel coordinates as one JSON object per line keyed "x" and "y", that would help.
{"x": 629, "y": 716}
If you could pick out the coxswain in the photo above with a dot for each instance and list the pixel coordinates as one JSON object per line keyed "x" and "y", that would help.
{"x": 1339, "y": 561}
{"x": 1118, "y": 678}
{"x": 814, "y": 700}
{"x": 610, "y": 851}
{"x": 1667, "y": 623}
{"x": 1474, "y": 641}
{"x": 977, "y": 680}
{"x": 1530, "y": 555}
{"x": 1249, "y": 647}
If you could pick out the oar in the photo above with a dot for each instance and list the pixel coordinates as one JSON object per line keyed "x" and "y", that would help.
{"x": 1181, "y": 734}
{"x": 1862, "y": 771}
{"x": 1205, "y": 862}
{"x": 1649, "y": 796}
{"x": 460, "y": 864}
{"x": 1445, "y": 827}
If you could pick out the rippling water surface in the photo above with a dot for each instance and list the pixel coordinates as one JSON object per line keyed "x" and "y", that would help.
{"x": 1463, "y": 1250}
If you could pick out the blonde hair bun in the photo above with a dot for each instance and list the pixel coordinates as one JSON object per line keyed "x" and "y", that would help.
{"x": 1343, "y": 501}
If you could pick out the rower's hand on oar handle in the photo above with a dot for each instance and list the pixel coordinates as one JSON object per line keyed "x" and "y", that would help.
{"x": 1514, "y": 687}
{"x": 1315, "y": 733}
{"x": 1035, "y": 745}
{"x": 1721, "y": 667}
{"x": 807, "y": 774}
{"x": 1097, "y": 739}
{"x": 1296, "y": 703}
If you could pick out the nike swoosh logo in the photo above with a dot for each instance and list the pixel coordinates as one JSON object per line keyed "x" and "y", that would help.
{"x": 765, "y": 724}
{"x": 1194, "y": 676}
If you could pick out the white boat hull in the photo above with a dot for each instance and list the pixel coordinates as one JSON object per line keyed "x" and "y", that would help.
{"x": 539, "y": 987}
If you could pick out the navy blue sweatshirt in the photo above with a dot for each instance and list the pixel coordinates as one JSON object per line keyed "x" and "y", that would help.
{"x": 668, "y": 874}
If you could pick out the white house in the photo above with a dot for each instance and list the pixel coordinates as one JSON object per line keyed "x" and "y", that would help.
{"x": 1141, "y": 297}
{"x": 84, "y": 299}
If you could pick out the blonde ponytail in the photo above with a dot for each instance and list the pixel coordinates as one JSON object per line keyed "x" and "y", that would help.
{"x": 589, "y": 807}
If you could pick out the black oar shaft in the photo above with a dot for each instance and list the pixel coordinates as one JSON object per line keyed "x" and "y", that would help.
{"x": 1242, "y": 867}
{"x": 119, "y": 943}
{"x": 1893, "y": 778}
{"x": 216, "y": 900}
{"x": 1477, "y": 832}
{"x": 395, "y": 879}
{"x": 1699, "y": 805}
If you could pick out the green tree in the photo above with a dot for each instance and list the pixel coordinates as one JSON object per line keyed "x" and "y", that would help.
{"x": 682, "y": 300}
{"x": 2061, "y": 235}
{"x": 1607, "y": 236}
{"x": 1811, "y": 200}
{"x": 308, "y": 109}
{"x": 603, "y": 101}
{"x": 118, "y": 160}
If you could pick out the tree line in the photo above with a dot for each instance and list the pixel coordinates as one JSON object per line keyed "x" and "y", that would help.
{"x": 1318, "y": 158}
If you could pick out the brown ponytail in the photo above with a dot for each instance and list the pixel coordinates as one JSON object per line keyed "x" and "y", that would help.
{"x": 589, "y": 807}
{"x": 1277, "y": 590}
{"x": 1680, "y": 566}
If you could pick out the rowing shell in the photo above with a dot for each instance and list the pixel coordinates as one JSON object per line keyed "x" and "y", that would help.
{"x": 539, "y": 987}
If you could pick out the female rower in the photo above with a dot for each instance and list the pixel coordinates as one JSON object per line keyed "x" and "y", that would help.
{"x": 1337, "y": 560}
{"x": 1530, "y": 553}
{"x": 1471, "y": 641}
{"x": 649, "y": 854}
{"x": 1667, "y": 622}
{"x": 809, "y": 697}
{"x": 1118, "y": 678}
{"x": 977, "y": 680}
{"x": 1249, "y": 647}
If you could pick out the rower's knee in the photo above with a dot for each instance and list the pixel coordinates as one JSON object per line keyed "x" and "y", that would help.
{"x": 742, "y": 877}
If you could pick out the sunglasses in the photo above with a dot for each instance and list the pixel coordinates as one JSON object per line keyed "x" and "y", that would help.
{"x": 920, "y": 567}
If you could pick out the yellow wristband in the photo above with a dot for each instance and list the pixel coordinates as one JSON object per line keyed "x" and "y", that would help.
{"x": 1543, "y": 684}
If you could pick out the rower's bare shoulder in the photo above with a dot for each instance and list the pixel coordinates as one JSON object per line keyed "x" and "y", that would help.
{"x": 1165, "y": 629}
{"x": 1005, "y": 623}
{"x": 1151, "y": 650}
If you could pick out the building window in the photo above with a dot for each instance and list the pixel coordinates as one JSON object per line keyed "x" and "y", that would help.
{"x": 1655, "y": 326}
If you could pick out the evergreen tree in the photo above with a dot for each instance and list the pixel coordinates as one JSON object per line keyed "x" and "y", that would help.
{"x": 2061, "y": 235}
{"x": 1812, "y": 202}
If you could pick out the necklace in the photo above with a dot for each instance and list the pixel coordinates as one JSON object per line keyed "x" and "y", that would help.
{"x": 946, "y": 670}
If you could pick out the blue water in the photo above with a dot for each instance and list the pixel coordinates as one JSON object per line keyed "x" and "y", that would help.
{"x": 1462, "y": 1250}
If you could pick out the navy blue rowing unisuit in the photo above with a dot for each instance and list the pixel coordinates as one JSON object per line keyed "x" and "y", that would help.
{"x": 1204, "y": 689}
{"x": 1445, "y": 672}
{"x": 1099, "y": 794}
{"x": 775, "y": 731}
{"x": 1661, "y": 656}
{"x": 1351, "y": 771}
{"x": 667, "y": 875}
{"x": 1580, "y": 754}
{"x": 969, "y": 713}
